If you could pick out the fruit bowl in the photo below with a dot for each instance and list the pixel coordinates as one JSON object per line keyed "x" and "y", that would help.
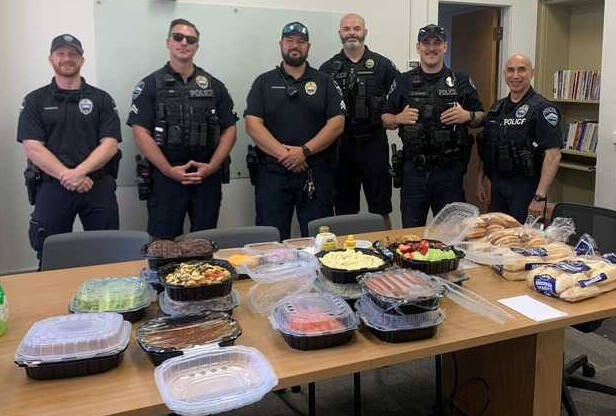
{"x": 428, "y": 256}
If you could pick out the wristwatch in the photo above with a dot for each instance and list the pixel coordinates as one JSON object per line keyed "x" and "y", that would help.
{"x": 306, "y": 150}
{"x": 540, "y": 198}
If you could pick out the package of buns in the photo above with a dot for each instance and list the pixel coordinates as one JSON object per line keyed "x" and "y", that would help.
{"x": 490, "y": 222}
{"x": 521, "y": 260}
{"x": 574, "y": 278}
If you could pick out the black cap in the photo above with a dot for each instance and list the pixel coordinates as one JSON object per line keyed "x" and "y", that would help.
{"x": 66, "y": 40}
{"x": 294, "y": 28}
{"x": 431, "y": 30}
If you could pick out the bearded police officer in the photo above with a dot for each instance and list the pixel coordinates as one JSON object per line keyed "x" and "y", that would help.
{"x": 365, "y": 78}
{"x": 432, "y": 106}
{"x": 521, "y": 145}
{"x": 294, "y": 113}
{"x": 183, "y": 123}
{"x": 70, "y": 132}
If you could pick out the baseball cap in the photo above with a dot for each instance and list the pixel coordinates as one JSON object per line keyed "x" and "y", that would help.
{"x": 295, "y": 28}
{"x": 66, "y": 40}
{"x": 431, "y": 30}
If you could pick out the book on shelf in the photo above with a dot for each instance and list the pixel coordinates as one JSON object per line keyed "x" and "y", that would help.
{"x": 582, "y": 136}
{"x": 577, "y": 85}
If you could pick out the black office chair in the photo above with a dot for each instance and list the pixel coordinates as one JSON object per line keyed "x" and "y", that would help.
{"x": 236, "y": 237}
{"x": 600, "y": 223}
{"x": 348, "y": 224}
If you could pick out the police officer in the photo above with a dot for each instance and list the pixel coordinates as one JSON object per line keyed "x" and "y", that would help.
{"x": 365, "y": 78}
{"x": 432, "y": 106}
{"x": 294, "y": 114}
{"x": 521, "y": 145}
{"x": 183, "y": 123}
{"x": 70, "y": 132}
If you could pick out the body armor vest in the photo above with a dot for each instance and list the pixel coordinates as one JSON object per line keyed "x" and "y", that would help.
{"x": 186, "y": 125}
{"x": 428, "y": 142}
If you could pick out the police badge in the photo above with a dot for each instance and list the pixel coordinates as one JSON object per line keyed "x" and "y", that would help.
{"x": 449, "y": 81}
{"x": 202, "y": 81}
{"x": 85, "y": 106}
{"x": 370, "y": 63}
{"x": 310, "y": 87}
{"x": 521, "y": 111}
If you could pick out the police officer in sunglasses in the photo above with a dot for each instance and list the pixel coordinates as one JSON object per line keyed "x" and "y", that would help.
{"x": 432, "y": 106}
{"x": 183, "y": 123}
{"x": 294, "y": 114}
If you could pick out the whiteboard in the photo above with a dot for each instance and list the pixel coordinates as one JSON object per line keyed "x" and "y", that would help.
{"x": 236, "y": 45}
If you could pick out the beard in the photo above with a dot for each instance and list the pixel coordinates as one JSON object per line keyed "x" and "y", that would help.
{"x": 352, "y": 42}
{"x": 67, "y": 70}
{"x": 292, "y": 60}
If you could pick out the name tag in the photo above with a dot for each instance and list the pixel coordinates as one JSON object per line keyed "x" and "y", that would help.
{"x": 53, "y": 107}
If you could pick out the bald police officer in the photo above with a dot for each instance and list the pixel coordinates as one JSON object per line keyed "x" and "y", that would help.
{"x": 431, "y": 106}
{"x": 183, "y": 123}
{"x": 521, "y": 145}
{"x": 365, "y": 77}
{"x": 293, "y": 114}
{"x": 70, "y": 132}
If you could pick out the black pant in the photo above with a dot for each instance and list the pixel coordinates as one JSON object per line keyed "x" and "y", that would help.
{"x": 56, "y": 207}
{"x": 513, "y": 195}
{"x": 429, "y": 189}
{"x": 171, "y": 201}
{"x": 278, "y": 193}
{"x": 363, "y": 162}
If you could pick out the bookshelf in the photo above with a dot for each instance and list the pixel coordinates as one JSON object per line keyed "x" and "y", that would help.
{"x": 570, "y": 37}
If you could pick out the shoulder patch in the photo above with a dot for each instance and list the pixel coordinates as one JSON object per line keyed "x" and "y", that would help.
{"x": 138, "y": 89}
{"x": 551, "y": 115}
{"x": 338, "y": 88}
{"x": 391, "y": 88}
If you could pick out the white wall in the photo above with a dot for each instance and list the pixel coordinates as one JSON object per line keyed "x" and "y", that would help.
{"x": 606, "y": 149}
{"x": 29, "y": 25}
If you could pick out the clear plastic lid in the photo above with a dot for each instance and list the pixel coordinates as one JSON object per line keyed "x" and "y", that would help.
{"x": 312, "y": 314}
{"x": 214, "y": 380}
{"x": 74, "y": 337}
{"x": 378, "y": 318}
{"x": 279, "y": 265}
{"x": 486, "y": 253}
{"x": 263, "y": 296}
{"x": 345, "y": 291}
{"x": 112, "y": 294}
{"x": 172, "y": 307}
{"x": 261, "y": 248}
{"x": 452, "y": 223}
{"x": 299, "y": 243}
{"x": 401, "y": 285}
{"x": 179, "y": 333}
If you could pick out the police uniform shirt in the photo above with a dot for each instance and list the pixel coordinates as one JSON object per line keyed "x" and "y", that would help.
{"x": 143, "y": 108}
{"x": 294, "y": 120}
{"x": 340, "y": 66}
{"x": 544, "y": 120}
{"x": 69, "y": 122}
{"x": 400, "y": 88}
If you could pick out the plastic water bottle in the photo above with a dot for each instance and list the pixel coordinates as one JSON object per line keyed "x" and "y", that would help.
{"x": 4, "y": 312}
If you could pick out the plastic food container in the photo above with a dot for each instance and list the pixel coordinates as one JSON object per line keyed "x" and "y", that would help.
{"x": 349, "y": 292}
{"x": 430, "y": 267}
{"x": 344, "y": 276}
{"x": 224, "y": 304}
{"x": 452, "y": 223}
{"x": 239, "y": 258}
{"x": 151, "y": 277}
{"x": 403, "y": 291}
{"x": 305, "y": 243}
{"x": 215, "y": 380}
{"x": 201, "y": 292}
{"x": 129, "y": 296}
{"x": 263, "y": 296}
{"x": 312, "y": 321}
{"x": 262, "y": 248}
{"x": 162, "y": 252}
{"x": 280, "y": 265}
{"x": 398, "y": 328}
{"x": 166, "y": 337}
{"x": 73, "y": 345}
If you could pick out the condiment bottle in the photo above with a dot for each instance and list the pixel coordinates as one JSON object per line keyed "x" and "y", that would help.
{"x": 349, "y": 244}
{"x": 325, "y": 240}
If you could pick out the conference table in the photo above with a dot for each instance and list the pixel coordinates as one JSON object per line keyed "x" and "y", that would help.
{"x": 520, "y": 360}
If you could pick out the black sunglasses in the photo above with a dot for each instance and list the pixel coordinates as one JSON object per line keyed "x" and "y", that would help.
{"x": 433, "y": 30}
{"x": 178, "y": 37}
{"x": 295, "y": 28}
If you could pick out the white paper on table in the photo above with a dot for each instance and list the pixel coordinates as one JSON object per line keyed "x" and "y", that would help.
{"x": 531, "y": 308}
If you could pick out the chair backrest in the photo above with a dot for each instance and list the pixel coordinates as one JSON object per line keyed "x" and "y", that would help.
{"x": 600, "y": 223}
{"x": 87, "y": 248}
{"x": 236, "y": 237}
{"x": 348, "y": 224}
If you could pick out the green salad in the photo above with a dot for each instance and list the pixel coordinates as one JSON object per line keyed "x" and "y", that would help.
{"x": 112, "y": 294}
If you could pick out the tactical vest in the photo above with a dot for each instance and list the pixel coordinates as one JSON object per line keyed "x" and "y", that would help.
{"x": 429, "y": 143}
{"x": 507, "y": 143}
{"x": 363, "y": 96}
{"x": 186, "y": 125}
